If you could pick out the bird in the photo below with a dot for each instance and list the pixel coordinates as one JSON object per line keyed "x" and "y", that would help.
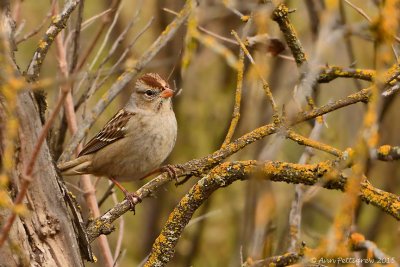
{"x": 135, "y": 141}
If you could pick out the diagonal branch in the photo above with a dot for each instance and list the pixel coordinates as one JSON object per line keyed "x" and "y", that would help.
{"x": 58, "y": 23}
{"x": 229, "y": 172}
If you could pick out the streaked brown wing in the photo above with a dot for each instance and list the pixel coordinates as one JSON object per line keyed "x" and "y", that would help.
{"x": 114, "y": 129}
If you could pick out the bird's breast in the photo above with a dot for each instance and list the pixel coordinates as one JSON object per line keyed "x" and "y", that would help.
{"x": 149, "y": 142}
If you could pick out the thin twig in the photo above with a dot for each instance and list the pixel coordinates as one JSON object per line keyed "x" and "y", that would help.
{"x": 115, "y": 68}
{"x": 301, "y": 140}
{"x": 215, "y": 46}
{"x": 264, "y": 82}
{"x": 170, "y": 11}
{"x": 107, "y": 193}
{"x": 362, "y": 13}
{"x": 217, "y": 36}
{"x": 38, "y": 28}
{"x": 92, "y": 19}
{"x": 329, "y": 73}
{"x": 348, "y": 43}
{"x": 238, "y": 97}
{"x": 121, "y": 231}
{"x": 238, "y": 92}
{"x": 359, "y": 243}
{"x": 106, "y": 38}
{"x": 95, "y": 85}
{"x": 225, "y": 39}
{"x": 105, "y": 21}
{"x": 76, "y": 41}
{"x": 359, "y": 10}
{"x": 298, "y": 201}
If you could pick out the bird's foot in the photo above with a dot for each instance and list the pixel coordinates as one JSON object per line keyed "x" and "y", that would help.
{"x": 172, "y": 171}
{"x": 133, "y": 199}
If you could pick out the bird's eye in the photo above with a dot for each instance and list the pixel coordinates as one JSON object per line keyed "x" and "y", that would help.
{"x": 149, "y": 93}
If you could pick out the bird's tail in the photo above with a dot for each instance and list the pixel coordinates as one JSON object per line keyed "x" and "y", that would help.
{"x": 80, "y": 165}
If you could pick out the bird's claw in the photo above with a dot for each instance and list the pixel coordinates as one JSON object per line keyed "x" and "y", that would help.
{"x": 172, "y": 172}
{"x": 133, "y": 199}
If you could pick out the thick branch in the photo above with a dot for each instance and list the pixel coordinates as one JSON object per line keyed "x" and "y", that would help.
{"x": 226, "y": 173}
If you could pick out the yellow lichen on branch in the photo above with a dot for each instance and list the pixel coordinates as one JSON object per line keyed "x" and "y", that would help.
{"x": 329, "y": 73}
{"x": 229, "y": 172}
{"x": 388, "y": 153}
{"x": 280, "y": 15}
{"x": 301, "y": 140}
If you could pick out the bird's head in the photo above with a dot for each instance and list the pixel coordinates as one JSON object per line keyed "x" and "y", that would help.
{"x": 152, "y": 92}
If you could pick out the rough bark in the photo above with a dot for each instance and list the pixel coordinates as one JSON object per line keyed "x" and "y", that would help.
{"x": 46, "y": 235}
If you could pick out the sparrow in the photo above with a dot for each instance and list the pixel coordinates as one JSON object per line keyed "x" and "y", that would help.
{"x": 135, "y": 141}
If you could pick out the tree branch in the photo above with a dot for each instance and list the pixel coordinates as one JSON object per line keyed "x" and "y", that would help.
{"x": 228, "y": 172}
{"x": 301, "y": 140}
{"x": 330, "y": 73}
{"x": 280, "y": 16}
{"x": 387, "y": 153}
{"x": 58, "y": 23}
{"x": 359, "y": 243}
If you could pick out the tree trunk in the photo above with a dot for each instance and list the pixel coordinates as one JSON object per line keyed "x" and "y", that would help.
{"x": 46, "y": 235}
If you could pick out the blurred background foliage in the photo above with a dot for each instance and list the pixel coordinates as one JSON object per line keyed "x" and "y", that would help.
{"x": 246, "y": 219}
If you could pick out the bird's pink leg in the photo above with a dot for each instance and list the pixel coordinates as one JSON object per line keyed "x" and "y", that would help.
{"x": 170, "y": 169}
{"x": 132, "y": 197}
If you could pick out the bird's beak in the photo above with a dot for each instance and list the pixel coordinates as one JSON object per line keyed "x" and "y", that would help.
{"x": 166, "y": 93}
